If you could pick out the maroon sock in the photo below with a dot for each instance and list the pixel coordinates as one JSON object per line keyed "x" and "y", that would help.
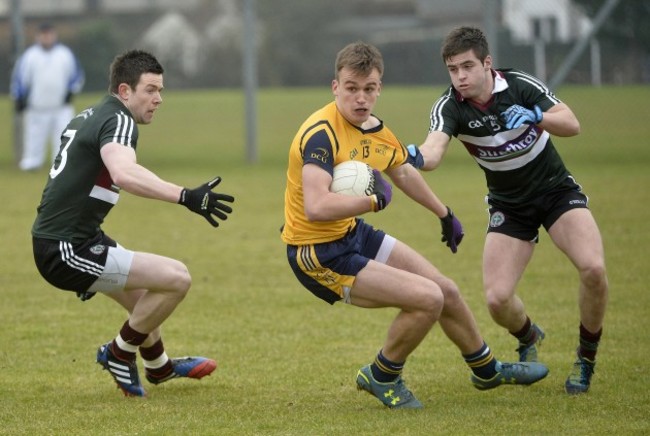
{"x": 131, "y": 337}
{"x": 527, "y": 334}
{"x": 154, "y": 352}
{"x": 589, "y": 343}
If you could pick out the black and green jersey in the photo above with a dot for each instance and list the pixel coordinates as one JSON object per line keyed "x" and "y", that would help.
{"x": 519, "y": 164}
{"x": 80, "y": 192}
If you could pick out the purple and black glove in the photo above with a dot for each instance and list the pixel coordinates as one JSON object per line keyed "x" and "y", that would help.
{"x": 517, "y": 115}
{"x": 382, "y": 192}
{"x": 206, "y": 203}
{"x": 452, "y": 231}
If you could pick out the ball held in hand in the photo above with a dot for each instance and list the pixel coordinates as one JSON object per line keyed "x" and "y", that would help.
{"x": 353, "y": 178}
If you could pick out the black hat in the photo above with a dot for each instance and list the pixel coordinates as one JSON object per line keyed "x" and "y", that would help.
{"x": 45, "y": 27}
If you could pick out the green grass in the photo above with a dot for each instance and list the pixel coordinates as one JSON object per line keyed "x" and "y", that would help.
{"x": 286, "y": 360}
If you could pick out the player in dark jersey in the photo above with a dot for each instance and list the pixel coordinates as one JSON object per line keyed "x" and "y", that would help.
{"x": 505, "y": 119}
{"x": 96, "y": 160}
{"x": 339, "y": 257}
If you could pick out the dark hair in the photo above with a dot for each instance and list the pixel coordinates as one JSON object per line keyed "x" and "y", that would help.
{"x": 462, "y": 39}
{"x": 45, "y": 26}
{"x": 361, "y": 58}
{"x": 129, "y": 66}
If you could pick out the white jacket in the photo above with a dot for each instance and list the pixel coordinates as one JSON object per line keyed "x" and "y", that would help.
{"x": 45, "y": 77}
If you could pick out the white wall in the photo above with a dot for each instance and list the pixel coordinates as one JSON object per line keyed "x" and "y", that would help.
{"x": 561, "y": 21}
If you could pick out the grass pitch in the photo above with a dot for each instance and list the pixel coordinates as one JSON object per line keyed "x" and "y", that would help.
{"x": 287, "y": 361}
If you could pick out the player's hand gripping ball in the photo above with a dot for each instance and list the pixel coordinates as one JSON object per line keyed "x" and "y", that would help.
{"x": 361, "y": 180}
{"x": 353, "y": 178}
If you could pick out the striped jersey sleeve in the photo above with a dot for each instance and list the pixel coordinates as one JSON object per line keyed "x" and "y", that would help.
{"x": 439, "y": 123}
{"x": 120, "y": 128}
{"x": 533, "y": 90}
{"x": 517, "y": 162}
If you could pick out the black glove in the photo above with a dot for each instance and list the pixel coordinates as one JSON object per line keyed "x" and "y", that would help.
{"x": 206, "y": 203}
{"x": 452, "y": 231}
{"x": 20, "y": 104}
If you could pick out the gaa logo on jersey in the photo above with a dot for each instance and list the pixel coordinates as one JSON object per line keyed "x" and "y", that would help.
{"x": 496, "y": 219}
{"x": 97, "y": 249}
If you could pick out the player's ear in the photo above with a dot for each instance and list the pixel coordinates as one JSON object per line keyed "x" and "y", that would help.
{"x": 487, "y": 63}
{"x": 124, "y": 91}
{"x": 335, "y": 87}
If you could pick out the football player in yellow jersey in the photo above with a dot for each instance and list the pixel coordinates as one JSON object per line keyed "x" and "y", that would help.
{"x": 338, "y": 256}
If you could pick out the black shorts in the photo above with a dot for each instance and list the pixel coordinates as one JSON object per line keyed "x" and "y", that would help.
{"x": 72, "y": 267}
{"x": 522, "y": 221}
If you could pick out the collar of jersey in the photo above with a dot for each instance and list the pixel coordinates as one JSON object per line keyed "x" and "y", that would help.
{"x": 500, "y": 82}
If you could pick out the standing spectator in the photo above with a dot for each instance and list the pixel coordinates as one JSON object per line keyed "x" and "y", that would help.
{"x": 44, "y": 80}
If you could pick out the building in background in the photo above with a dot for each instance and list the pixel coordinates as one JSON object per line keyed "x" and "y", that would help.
{"x": 201, "y": 40}
{"x": 551, "y": 21}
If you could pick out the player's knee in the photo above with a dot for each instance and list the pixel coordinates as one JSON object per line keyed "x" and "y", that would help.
{"x": 180, "y": 280}
{"x": 496, "y": 301}
{"x": 432, "y": 302}
{"x": 594, "y": 276}
{"x": 450, "y": 291}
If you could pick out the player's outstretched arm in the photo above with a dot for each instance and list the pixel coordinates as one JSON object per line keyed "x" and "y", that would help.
{"x": 135, "y": 179}
{"x": 411, "y": 182}
{"x": 206, "y": 203}
{"x": 433, "y": 150}
{"x": 138, "y": 180}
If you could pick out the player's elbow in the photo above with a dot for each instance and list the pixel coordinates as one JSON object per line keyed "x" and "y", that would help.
{"x": 432, "y": 160}
{"x": 430, "y": 165}
{"x": 567, "y": 130}
{"x": 122, "y": 180}
{"x": 315, "y": 213}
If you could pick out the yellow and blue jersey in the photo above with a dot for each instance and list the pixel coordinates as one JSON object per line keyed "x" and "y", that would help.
{"x": 326, "y": 139}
